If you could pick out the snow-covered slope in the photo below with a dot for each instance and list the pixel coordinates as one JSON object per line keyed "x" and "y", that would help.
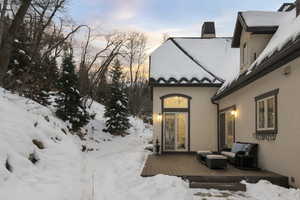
{"x": 55, "y": 175}
{"x": 110, "y": 169}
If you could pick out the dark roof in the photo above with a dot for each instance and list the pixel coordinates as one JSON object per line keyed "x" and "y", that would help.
{"x": 241, "y": 24}
{"x": 288, "y": 53}
{"x": 208, "y": 28}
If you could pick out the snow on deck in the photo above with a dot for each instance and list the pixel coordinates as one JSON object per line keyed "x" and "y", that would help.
{"x": 263, "y": 18}
{"x": 215, "y": 55}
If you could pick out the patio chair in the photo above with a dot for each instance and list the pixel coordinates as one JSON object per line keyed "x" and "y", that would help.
{"x": 243, "y": 155}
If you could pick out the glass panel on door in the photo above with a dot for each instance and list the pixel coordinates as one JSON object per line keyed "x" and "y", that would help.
{"x": 175, "y": 131}
{"x": 181, "y": 131}
{"x": 169, "y": 131}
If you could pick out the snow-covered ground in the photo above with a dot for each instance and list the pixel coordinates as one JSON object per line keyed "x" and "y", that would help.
{"x": 110, "y": 170}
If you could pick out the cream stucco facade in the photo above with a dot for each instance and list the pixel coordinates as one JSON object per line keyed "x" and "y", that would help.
{"x": 254, "y": 44}
{"x": 203, "y": 115}
{"x": 281, "y": 155}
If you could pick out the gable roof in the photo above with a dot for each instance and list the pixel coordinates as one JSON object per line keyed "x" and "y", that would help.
{"x": 256, "y": 22}
{"x": 283, "y": 47}
{"x": 184, "y": 60}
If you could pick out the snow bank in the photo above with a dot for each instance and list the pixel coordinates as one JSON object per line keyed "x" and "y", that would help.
{"x": 264, "y": 190}
{"x": 57, "y": 173}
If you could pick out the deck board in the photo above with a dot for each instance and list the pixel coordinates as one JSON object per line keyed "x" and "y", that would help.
{"x": 187, "y": 165}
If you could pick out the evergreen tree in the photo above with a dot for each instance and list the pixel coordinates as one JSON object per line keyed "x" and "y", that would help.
{"x": 70, "y": 107}
{"x": 116, "y": 109}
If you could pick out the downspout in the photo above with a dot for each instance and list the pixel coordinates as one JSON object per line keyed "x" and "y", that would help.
{"x": 218, "y": 120}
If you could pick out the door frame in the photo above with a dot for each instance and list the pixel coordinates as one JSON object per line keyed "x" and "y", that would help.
{"x": 176, "y": 132}
{"x": 220, "y": 135}
{"x": 186, "y": 110}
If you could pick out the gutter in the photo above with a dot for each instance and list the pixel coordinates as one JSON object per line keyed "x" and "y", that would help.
{"x": 218, "y": 120}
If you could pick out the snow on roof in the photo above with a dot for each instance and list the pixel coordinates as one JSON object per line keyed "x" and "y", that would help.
{"x": 262, "y": 18}
{"x": 215, "y": 55}
{"x": 288, "y": 30}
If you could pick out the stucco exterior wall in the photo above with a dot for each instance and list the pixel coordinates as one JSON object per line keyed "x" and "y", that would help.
{"x": 256, "y": 43}
{"x": 283, "y": 154}
{"x": 203, "y": 115}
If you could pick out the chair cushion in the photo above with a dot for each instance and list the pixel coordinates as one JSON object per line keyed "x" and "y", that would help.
{"x": 229, "y": 154}
{"x": 217, "y": 157}
{"x": 203, "y": 152}
{"x": 237, "y": 147}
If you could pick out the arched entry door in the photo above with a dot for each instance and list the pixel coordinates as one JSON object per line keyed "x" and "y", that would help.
{"x": 176, "y": 125}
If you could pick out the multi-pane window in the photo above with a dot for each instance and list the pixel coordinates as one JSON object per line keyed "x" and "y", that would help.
{"x": 266, "y": 111}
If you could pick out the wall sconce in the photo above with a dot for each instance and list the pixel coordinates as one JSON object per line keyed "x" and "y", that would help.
{"x": 234, "y": 113}
{"x": 159, "y": 117}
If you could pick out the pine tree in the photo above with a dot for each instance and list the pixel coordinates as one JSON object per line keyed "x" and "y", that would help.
{"x": 116, "y": 109}
{"x": 69, "y": 103}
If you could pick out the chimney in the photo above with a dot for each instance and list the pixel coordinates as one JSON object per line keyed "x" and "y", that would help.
{"x": 298, "y": 7}
{"x": 208, "y": 30}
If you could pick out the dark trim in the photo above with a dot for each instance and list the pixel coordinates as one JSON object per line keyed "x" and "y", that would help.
{"x": 267, "y": 94}
{"x": 273, "y": 93}
{"x": 195, "y": 61}
{"x": 218, "y": 122}
{"x": 175, "y": 110}
{"x": 188, "y": 111}
{"x": 233, "y": 107}
{"x": 284, "y": 5}
{"x": 162, "y": 126}
{"x": 288, "y": 53}
{"x": 174, "y": 95}
{"x": 241, "y": 24}
{"x": 204, "y": 82}
{"x": 186, "y": 85}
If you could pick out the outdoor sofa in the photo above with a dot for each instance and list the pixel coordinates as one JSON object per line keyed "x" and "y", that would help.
{"x": 243, "y": 155}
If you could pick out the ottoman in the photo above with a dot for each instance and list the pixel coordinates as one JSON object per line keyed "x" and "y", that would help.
{"x": 216, "y": 161}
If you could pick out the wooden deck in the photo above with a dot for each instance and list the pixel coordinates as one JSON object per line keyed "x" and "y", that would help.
{"x": 187, "y": 166}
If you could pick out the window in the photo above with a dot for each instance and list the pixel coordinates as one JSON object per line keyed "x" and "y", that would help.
{"x": 176, "y": 102}
{"x": 266, "y": 112}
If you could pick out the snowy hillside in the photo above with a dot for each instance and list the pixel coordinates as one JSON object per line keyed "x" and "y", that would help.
{"x": 108, "y": 170}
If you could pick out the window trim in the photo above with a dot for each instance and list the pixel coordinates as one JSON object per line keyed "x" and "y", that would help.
{"x": 264, "y": 97}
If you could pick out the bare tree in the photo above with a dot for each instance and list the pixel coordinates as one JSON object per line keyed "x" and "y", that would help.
{"x": 94, "y": 65}
{"x": 135, "y": 53}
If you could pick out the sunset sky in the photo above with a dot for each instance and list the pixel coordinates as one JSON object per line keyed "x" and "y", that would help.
{"x": 156, "y": 17}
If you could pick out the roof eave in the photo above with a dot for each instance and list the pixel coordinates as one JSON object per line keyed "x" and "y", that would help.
{"x": 277, "y": 60}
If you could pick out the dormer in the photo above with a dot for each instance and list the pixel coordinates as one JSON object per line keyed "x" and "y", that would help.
{"x": 253, "y": 31}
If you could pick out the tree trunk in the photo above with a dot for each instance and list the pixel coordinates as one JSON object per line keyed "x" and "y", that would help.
{"x": 8, "y": 39}
{"x": 2, "y": 18}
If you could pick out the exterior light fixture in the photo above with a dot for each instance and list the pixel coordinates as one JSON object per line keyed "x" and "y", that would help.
{"x": 234, "y": 113}
{"x": 159, "y": 117}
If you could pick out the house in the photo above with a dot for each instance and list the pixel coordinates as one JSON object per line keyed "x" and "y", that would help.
{"x": 209, "y": 92}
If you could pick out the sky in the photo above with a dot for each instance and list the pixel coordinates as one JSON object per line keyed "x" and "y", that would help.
{"x": 158, "y": 17}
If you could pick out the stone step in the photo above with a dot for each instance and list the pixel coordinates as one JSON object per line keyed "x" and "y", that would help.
{"x": 219, "y": 186}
